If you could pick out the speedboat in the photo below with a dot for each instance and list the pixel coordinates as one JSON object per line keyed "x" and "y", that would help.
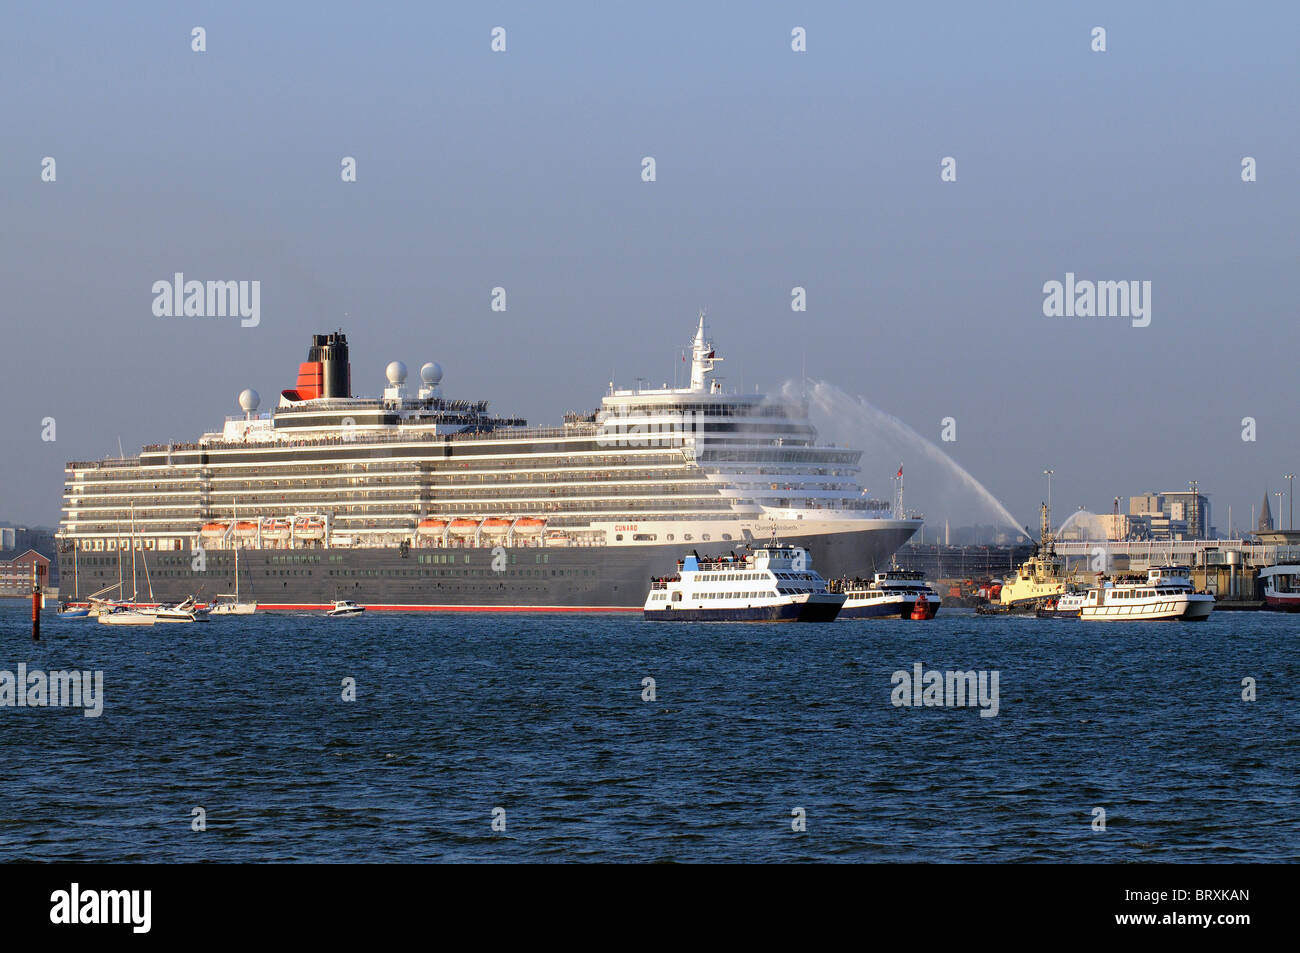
{"x": 344, "y": 607}
{"x": 186, "y": 611}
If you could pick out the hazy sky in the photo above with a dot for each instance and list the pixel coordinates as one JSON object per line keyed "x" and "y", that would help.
{"x": 775, "y": 169}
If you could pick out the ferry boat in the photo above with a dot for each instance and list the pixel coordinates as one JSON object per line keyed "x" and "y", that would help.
{"x": 1281, "y": 587}
{"x": 1167, "y": 594}
{"x": 421, "y": 501}
{"x": 1065, "y": 606}
{"x": 772, "y": 584}
{"x": 893, "y": 594}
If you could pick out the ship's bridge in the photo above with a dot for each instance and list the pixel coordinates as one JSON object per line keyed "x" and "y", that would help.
{"x": 760, "y": 451}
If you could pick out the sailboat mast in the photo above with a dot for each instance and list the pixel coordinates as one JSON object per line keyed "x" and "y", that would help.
{"x": 134, "y": 589}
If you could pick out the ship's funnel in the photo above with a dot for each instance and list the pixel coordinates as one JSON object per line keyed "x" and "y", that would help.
{"x": 330, "y": 351}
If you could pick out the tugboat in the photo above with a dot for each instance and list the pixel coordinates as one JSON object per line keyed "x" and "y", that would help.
{"x": 1040, "y": 577}
{"x": 894, "y": 594}
{"x": 773, "y": 584}
{"x": 1166, "y": 594}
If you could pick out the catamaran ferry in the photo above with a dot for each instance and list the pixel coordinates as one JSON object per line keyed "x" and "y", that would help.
{"x": 421, "y": 501}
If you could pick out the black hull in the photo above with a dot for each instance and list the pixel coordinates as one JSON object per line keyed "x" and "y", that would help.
{"x": 530, "y": 579}
{"x": 814, "y": 612}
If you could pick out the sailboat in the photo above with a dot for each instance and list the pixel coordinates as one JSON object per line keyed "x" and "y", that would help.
{"x": 74, "y": 609}
{"x": 123, "y": 615}
{"x": 232, "y": 605}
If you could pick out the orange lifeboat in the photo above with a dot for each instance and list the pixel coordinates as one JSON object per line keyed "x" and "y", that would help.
{"x": 214, "y": 530}
{"x": 275, "y": 529}
{"x": 245, "y": 529}
{"x": 463, "y": 527}
{"x": 431, "y": 527}
{"x": 496, "y": 526}
{"x": 309, "y": 528}
{"x": 529, "y": 526}
{"x": 921, "y": 608}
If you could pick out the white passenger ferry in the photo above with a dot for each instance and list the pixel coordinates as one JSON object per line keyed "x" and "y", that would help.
{"x": 772, "y": 584}
{"x": 1167, "y": 594}
{"x": 892, "y": 594}
{"x": 1281, "y": 587}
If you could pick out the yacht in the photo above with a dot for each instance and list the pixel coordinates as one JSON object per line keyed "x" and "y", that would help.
{"x": 772, "y": 584}
{"x": 343, "y": 607}
{"x": 228, "y": 603}
{"x": 124, "y": 616}
{"x": 185, "y": 611}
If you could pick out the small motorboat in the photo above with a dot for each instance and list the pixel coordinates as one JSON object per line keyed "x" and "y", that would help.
{"x": 67, "y": 611}
{"x": 344, "y": 607}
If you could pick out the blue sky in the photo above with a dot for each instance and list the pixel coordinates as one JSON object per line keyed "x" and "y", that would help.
{"x": 774, "y": 169}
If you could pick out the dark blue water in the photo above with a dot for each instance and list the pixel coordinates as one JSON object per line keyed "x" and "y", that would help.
{"x": 543, "y": 716}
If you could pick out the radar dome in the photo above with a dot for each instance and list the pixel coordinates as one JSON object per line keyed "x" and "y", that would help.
{"x": 431, "y": 373}
{"x": 396, "y": 372}
{"x": 248, "y": 400}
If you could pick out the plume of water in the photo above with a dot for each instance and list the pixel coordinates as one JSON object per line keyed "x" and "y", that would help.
{"x": 1082, "y": 525}
{"x": 855, "y": 422}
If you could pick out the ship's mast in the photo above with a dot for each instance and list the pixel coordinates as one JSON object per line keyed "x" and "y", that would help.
{"x": 703, "y": 357}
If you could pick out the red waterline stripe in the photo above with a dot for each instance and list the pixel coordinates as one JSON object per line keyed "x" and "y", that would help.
{"x": 311, "y": 607}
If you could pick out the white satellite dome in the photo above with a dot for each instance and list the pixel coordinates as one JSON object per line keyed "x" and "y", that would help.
{"x": 431, "y": 374}
{"x": 396, "y": 372}
{"x": 249, "y": 400}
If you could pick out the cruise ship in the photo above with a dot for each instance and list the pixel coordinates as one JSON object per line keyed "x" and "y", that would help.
{"x": 417, "y": 501}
